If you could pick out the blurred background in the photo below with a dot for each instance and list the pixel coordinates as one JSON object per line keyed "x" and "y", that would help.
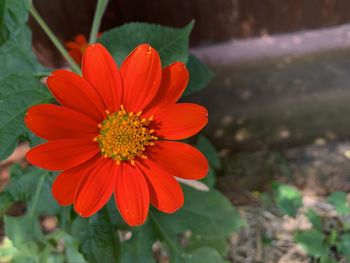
{"x": 279, "y": 100}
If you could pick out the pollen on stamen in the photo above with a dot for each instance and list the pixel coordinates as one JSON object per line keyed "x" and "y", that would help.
{"x": 124, "y": 136}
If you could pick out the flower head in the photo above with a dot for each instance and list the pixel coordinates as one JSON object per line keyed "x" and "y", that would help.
{"x": 77, "y": 47}
{"x": 114, "y": 134}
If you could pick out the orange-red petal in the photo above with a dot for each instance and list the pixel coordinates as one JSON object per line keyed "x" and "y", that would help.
{"x": 53, "y": 122}
{"x": 81, "y": 39}
{"x": 174, "y": 81}
{"x": 76, "y": 54}
{"x": 62, "y": 154}
{"x": 66, "y": 183}
{"x": 165, "y": 192}
{"x": 131, "y": 195}
{"x": 100, "y": 69}
{"x": 72, "y": 45}
{"x": 96, "y": 188}
{"x": 74, "y": 92}
{"x": 180, "y": 159}
{"x": 180, "y": 121}
{"x": 141, "y": 73}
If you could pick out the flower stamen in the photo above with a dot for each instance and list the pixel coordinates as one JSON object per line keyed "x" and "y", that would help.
{"x": 124, "y": 136}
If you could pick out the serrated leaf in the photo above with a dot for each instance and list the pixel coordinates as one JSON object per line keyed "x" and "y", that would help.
{"x": 287, "y": 198}
{"x": 339, "y": 200}
{"x": 18, "y": 64}
{"x": 17, "y": 93}
{"x": 312, "y": 242}
{"x": 25, "y": 233}
{"x": 171, "y": 43}
{"x": 200, "y": 75}
{"x": 22, "y": 187}
{"x": 98, "y": 240}
{"x": 13, "y": 15}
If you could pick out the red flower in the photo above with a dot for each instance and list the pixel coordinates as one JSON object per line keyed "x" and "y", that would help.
{"x": 77, "y": 47}
{"x": 114, "y": 131}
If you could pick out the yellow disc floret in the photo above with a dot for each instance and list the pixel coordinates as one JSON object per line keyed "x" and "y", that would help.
{"x": 124, "y": 136}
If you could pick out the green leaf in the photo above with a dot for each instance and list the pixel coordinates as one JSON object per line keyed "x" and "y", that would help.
{"x": 205, "y": 254}
{"x": 13, "y": 15}
{"x": 25, "y": 233}
{"x": 208, "y": 149}
{"x": 219, "y": 244}
{"x": 7, "y": 250}
{"x": 6, "y": 201}
{"x": 17, "y": 56}
{"x": 210, "y": 222}
{"x": 339, "y": 200}
{"x": 312, "y": 242}
{"x": 171, "y": 43}
{"x": 200, "y": 75}
{"x": 139, "y": 248}
{"x": 18, "y": 87}
{"x": 71, "y": 249}
{"x": 287, "y": 198}
{"x": 327, "y": 259}
{"x": 314, "y": 219}
{"x": 98, "y": 239}
{"x": 344, "y": 245}
{"x": 17, "y": 93}
{"x": 22, "y": 188}
{"x": 210, "y": 179}
{"x": 206, "y": 214}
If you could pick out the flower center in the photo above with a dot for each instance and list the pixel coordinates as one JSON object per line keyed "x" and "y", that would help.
{"x": 124, "y": 136}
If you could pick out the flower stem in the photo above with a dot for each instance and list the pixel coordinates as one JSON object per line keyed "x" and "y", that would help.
{"x": 37, "y": 194}
{"x": 54, "y": 39}
{"x": 100, "y": 9}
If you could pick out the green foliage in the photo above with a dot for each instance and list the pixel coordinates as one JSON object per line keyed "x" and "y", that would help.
{"x": 313, "y": 242}
{"x": 287, "y": 198}
{"x": 314, "y": 219}
{"x": 205, "y": 254}
{"x": 208, "y": 149}
{"x": 25, "y": 231}
{"x": 209, "y": 222}
{"x": 338, "y": 199}
{"x": 171, "y": 43}
{"x": 97, "y": 237}
{"x": 200, "y": 75}
{"x": 19, "y": 89}
{"x": 322, "y": 243}
{"x": 344, "y": 245}
{"x": 28, "y": 242}
{"x": 22, "y": 189}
